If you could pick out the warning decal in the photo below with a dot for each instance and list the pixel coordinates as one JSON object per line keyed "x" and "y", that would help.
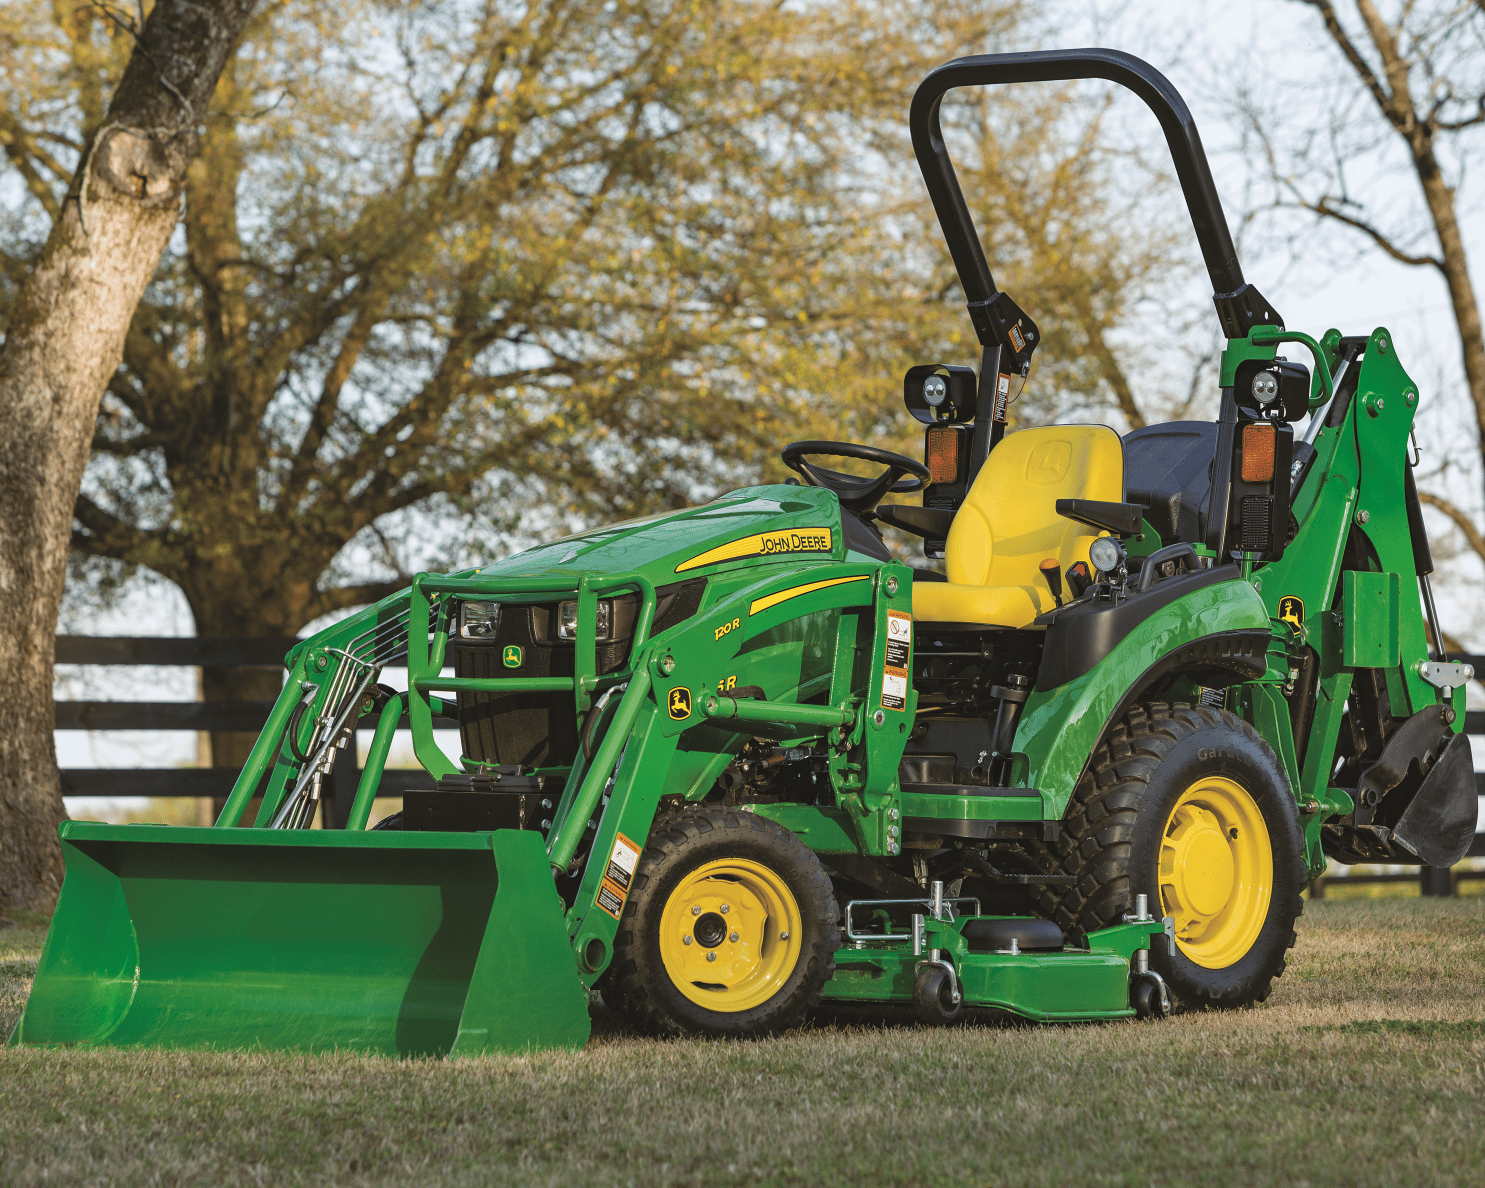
{"x": 899, "y": 656}
{"x": 616, "y": 879}
{"x": 609, "y": 902}
{"x": 1002, "y": 396}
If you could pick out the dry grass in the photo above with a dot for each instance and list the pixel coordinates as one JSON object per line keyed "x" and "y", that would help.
{"x": 1367, "y": 1067}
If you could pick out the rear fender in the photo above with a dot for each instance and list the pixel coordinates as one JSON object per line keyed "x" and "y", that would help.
{"x": 1219, "y": 632}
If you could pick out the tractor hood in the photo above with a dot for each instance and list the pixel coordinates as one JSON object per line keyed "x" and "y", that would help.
{"x": 743, "y": 528}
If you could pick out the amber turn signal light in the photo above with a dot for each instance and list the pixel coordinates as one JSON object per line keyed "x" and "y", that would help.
{"x": 942, "y": 448}
{"x": 1258, "y": 452}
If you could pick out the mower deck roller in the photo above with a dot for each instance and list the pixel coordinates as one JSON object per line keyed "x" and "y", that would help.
{"x": 402, "y": 944}
{"x": 727, "y": 763}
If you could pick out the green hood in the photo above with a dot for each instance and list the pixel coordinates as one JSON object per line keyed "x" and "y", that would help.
{"x": 743, "y": 528}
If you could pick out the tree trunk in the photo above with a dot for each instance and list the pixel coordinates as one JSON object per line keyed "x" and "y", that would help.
{"x": 65, "y": 340}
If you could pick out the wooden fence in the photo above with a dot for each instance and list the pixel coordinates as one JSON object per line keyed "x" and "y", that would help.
{"x": 340, "y": 787}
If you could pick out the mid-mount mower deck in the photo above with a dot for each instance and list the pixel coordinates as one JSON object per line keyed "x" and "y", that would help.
{"x": 727, "y": 763}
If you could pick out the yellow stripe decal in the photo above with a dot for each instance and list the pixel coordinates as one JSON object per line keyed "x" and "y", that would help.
{"x": 762, "y": 604}
{"x": 764, "y": 544}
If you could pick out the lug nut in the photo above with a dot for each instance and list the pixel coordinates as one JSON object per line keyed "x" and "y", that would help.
{"x": 685, "y": 940}
{"x": 732, "y": 937}
{"x": 783, "y": 936}
{"x": 696, "y": 910}
{"x": 725, "y": 909}
{"x": 711, "y": 956}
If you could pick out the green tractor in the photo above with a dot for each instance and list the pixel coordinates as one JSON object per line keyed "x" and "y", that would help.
{"x": 728, "y": 764}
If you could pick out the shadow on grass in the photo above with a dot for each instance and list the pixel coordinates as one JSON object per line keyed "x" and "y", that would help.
{"x": 884, "y": 1017}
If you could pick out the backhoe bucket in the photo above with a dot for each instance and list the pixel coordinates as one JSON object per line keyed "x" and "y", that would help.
{"x": 407, "y": 944}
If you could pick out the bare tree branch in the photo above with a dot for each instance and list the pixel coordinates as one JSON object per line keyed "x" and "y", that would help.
{"x": 1465, "y": 525}
{"x": 1324, "y": 207}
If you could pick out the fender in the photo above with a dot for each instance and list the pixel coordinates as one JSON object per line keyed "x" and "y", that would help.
{"x": 1217, "y": 633}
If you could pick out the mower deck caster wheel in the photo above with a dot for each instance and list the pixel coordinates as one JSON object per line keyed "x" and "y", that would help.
{"x": 1150, "y": 999}
{"x": 934, "y": 997}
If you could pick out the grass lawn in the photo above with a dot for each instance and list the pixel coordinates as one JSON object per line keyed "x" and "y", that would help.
{"x": 1366, "y": 1067}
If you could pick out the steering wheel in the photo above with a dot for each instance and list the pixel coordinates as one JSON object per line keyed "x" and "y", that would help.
{"x": 856, "y": 494}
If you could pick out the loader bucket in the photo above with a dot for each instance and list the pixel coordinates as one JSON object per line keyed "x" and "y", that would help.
{"x": 407, "y": 944}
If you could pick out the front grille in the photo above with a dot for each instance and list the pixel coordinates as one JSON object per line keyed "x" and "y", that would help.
{"x": 531, "y": 729}
{"x": 541, "y": 729}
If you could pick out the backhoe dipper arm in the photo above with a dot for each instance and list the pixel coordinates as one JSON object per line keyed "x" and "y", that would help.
{"x": 1240, "y": 307}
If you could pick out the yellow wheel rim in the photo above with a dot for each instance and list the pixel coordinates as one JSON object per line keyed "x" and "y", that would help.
{"x": 730, "y": 934}
{"x": 1216, "y": 871}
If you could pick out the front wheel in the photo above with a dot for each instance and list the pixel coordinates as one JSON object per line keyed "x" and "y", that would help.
{"x": 1189, "y": 806}
{"x": 730, "y": 929}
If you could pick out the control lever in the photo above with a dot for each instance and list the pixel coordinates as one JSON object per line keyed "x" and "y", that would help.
{"x": 1052, "y": 571}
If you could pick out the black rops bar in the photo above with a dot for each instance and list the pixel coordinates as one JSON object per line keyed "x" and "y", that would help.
{"x": 1240, "y": 307}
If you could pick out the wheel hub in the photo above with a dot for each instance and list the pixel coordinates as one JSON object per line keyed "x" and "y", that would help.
{"x": 1203, "y": 868}
{"x": 710, "y": 930}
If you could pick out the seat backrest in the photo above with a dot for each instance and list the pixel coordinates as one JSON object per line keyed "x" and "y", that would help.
{"x": 1009, "y": 524}
{"x": 1170, "y": 472}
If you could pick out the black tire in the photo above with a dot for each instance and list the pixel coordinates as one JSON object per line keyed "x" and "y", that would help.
{"x": 933, "y": 997}
{"x": 638, "y": 982}
{"x": 1114, "y": 829}
{"x": 390, "y": 821}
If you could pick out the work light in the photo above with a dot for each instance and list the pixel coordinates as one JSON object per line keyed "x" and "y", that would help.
{"x": 1105, "y": 554}
{"x": 478, "y": 620}
{"x": 567, "y": 620}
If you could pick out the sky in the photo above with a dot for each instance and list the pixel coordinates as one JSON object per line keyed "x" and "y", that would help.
{"x": 1206, "y": 48}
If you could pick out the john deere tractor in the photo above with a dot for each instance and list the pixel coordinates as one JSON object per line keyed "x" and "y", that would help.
{"x": 727, "y": 764}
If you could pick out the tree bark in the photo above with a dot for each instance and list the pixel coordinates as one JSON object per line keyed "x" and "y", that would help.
{"x": 65, "y": 340}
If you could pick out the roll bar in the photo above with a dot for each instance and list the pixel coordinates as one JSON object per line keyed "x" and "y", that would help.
{"x": 1240, "y": 307}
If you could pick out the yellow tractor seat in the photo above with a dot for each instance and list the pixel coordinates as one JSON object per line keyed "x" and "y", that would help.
{"x": 1008, "y": 525}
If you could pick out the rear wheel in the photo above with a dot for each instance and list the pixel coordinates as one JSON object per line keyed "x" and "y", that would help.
{"x": 730, "y": 928}
{"x": 1189, "y": 806}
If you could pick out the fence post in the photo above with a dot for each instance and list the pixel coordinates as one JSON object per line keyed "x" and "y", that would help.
{"x": 1436, "y": 880}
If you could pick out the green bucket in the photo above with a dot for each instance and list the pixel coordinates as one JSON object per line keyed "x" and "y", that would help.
{"x": 407, "y": 944}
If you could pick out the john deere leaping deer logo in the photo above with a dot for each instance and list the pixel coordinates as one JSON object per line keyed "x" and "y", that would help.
{"x": 511, "y": 657}
{"x": 1292, "y": 611}
{"x": 680, "y": 704}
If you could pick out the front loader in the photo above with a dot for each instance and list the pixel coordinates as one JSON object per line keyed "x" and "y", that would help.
{"x": 727, "y": 764}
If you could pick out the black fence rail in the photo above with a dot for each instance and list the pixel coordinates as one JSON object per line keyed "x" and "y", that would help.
{"x": 338, "y": 790}
{"x": 340, "y": 787}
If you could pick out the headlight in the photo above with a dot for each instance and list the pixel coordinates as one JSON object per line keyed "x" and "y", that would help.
{"x": 1106, "y": 554}
{"x": 567, "y": 620}
{"x": 478, "y": 620}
